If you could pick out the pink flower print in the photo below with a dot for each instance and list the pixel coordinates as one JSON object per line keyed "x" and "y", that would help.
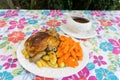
{"x": 16, "y": 36}
{"x": 84, "y": 74}
{"x": 116, "y": 44}
{"x": 73, "y": 77}
{"x": 105, "y": 23}
{"x": 11, "y": 13}
{"x": 55, "y": 13}
{"x": 10, "y": 63}
{"x": 42, "y": 78}
{"x": 53, "y": 23}
{"x": 99, "y": 60}
{"x": 4, "y": 57}
{"x": 19, "y": 24}
{"x": 35, "y": 31}
{"x": 45, "y": 27}
{"x": 0, "y": 37}
{"x": 33, "y": 16}
{"x": 2, "y": 23}
{"x": 117, "y": 20}
{"x": 97, "y": 13}
{"x": 64, "y": 21}
{"x": 92, "y": 78}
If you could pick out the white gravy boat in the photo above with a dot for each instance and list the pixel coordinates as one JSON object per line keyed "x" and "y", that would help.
{"x": 76, "y": 23}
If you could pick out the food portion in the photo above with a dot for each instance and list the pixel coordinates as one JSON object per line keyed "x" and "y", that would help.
{"x": 49, "y": 49}
{"x": 69, "y": 52}
{"x": 40, "y": 43}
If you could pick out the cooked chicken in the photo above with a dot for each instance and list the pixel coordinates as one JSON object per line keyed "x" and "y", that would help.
{"x": 40, "y": 43}
{"x": 37, "y": 57}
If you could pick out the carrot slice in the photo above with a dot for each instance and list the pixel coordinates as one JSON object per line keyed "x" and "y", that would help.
{"x": 69, "y": 51}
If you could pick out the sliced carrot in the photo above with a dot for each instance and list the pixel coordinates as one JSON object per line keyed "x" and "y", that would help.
{"x": 80, "y": 57}
{"x": 74, "y": 55}
{"x": 69, "y": 51}
{"x": 59, "y": 53}
{"x": 61, "y": 59}
{"x": 71, "y": 62}
{"x": 66, "y": 56}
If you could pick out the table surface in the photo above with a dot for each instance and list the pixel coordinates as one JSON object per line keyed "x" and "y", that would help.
{"x": 104, "y": 49}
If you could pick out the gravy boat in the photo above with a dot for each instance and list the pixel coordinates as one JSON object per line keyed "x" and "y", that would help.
{"x": 77, "y": 24}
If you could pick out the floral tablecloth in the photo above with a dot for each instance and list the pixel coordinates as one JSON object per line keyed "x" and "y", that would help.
{"x": 104, "y": 49}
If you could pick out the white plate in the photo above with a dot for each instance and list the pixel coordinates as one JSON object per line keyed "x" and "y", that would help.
{"x": 51, "y": 72}
{"x": 77, "y": 34}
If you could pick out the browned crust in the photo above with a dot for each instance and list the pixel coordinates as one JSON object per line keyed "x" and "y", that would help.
{"x": 36, "y": 43}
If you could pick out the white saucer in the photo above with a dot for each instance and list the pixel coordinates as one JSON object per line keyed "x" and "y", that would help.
{"x": 77, "y": 34}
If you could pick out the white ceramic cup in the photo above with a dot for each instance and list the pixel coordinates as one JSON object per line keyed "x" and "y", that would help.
{"x": 77, "y": 26}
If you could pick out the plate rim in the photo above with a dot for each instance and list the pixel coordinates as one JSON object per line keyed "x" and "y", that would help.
{"x": 86, "y": 56}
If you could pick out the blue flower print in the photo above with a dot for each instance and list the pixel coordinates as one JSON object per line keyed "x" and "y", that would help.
{"x": 87, "y": 12}
{"x": 28, "y": 33}
{"x": 43, "y": 23}
{"x": 58, "y": 29}
{"x": 105, "y": 46}
{"x": 64, "y": 11}
{"x": 104, "y": 74}
{"x": 27, "y": 75}
{"x": 6, "y": 76}
{"x": 32, "y": 21}
{"x": 45, "y": 12}
{"x": 22, "y": 13}
{"x": 112, "y": 28}
{"x": 90, "y": 66}
{"x": 1, "y": 67}
{"x": 2, "y": 13}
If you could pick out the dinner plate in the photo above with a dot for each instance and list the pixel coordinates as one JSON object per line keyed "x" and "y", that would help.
{"x": 48, "y": 71}
{"x": 77, "y": 34}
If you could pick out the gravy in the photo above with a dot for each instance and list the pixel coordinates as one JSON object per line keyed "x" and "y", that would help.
{"x": 80, "y": 20}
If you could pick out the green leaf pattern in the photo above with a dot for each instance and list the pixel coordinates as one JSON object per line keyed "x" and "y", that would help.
{"x": 2, "y": 45}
